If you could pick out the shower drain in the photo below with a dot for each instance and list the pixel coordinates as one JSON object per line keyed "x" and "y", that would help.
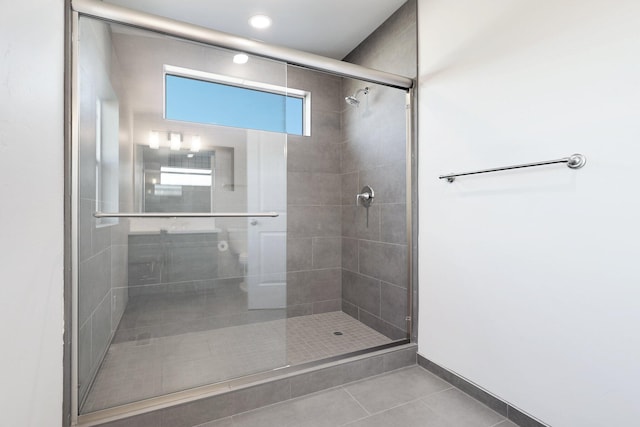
{"x": 337, "y": 333}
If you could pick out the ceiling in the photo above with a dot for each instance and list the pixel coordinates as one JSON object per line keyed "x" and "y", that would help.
{"x": 325, "y": 27}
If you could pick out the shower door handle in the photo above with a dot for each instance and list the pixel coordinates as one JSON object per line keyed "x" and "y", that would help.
{"x": 186, "y": 215}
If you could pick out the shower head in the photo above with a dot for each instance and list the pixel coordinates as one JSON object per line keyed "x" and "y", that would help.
{"x": 353, "y": 99}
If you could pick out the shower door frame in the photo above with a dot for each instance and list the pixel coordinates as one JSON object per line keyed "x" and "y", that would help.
{"x": 74, "y": 9}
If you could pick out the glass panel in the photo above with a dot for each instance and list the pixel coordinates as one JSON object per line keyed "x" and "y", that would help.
{"x": 295, "y": 115}
{"x": 374, "y": 126}
{"x": 193, "y": 100}
{"x": 168, "y": 304}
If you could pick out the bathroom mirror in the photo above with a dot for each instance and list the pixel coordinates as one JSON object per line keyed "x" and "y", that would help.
{"x": 183, "y": 180}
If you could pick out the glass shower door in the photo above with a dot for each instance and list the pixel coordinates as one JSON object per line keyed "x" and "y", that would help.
{"x": 267, "y": 239}
{"x": 181, "y": 223}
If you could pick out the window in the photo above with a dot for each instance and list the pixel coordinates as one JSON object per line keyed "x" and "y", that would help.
{"x": 195, "y": 96}
{"x": 107, "y": 145}
{"x": 184, "y": 176}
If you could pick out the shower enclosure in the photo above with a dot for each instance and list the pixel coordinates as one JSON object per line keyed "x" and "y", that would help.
{"x": 222, "y": 226}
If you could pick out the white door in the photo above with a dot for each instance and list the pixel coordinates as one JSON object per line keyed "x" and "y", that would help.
{"x": 267, "y": 237}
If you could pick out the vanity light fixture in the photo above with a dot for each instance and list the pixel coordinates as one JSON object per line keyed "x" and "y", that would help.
{"x": 154, "y": 139}
{"x": 195, "y": 143}
{"x": 175, "y": 141}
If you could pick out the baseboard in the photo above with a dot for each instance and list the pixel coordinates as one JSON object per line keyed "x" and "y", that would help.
{"x": 500, "y": 406}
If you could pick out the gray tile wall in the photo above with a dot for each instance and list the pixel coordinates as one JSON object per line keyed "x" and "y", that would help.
{"x": 314, "y": 186}
{"x": 102, "y": 249}
{"x": 374, "y": 258}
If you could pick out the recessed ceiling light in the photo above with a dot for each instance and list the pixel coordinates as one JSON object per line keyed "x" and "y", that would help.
{"x": 260, "y": 21}
{"x": 241, "y": 58}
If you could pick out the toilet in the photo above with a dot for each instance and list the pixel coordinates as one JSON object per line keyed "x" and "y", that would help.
{"x": 238, "y": 244}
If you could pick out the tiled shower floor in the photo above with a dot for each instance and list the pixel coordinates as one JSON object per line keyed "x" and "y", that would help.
{"x": 148, "y": 364}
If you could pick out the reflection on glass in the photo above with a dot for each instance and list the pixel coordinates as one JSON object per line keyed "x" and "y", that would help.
{"x": 177, "y": 181}
{"x": 168, "y": 304}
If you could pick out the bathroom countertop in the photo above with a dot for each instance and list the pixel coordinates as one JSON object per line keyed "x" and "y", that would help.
{"x": 207, "y": 231}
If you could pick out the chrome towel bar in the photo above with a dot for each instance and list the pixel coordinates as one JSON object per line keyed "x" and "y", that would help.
{"x": 575, "y": 161}
{"x": 185, "y": 215}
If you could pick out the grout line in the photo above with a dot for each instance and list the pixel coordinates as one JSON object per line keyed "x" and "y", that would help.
{"x": 378, "y": 317}
{"x": 399, "y": 405}
{"x": 438, "y": 412}
{"x": 371, "y": 277}
{"x": 313, "y": 269}
{"x": 96, "y": 309}
{"x": 344, "y": 205}
{"x": 437, "y": 392}
{"x": 282, "y": 402}
{"x": 356, "y": 400}
{"x": 357, "y": 256}
{"x": 380, "y": 222}
{"x": 381, "y": 242}
{"x": 393, "y": 284}
{"x": 301, "y": 205}
{"x": 380, "y": 297}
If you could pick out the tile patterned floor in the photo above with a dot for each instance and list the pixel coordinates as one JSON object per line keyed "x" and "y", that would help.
{"x": 408, "y": 397}
{"x": 151, "y": 365}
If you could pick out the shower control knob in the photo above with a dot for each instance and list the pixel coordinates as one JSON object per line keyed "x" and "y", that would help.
{"x": 366, "y": 196}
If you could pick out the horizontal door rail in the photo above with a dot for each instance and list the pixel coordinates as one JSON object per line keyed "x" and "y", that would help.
{"x": 186, "y": 215}
{"x": 575, "y": 161}
{"x": 118, "y": 14}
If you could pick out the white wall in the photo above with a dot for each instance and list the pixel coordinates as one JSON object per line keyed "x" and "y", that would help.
{"x": 31, "y": 213}
{"x": 529, "y": 280}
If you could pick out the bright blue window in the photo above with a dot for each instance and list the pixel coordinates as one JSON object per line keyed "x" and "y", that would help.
{"x": 192, "y": 100}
